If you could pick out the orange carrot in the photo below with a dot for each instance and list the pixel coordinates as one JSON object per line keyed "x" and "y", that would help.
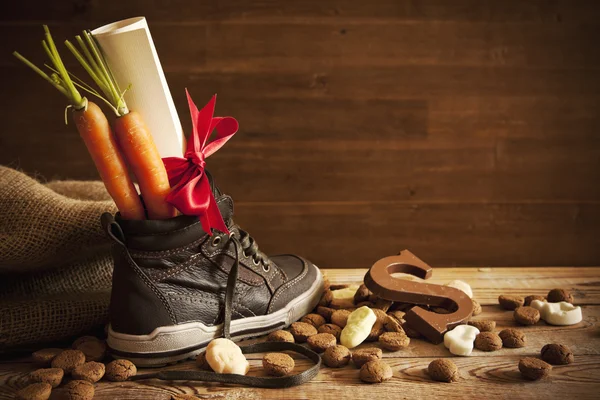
{"x": 95, "y": 131}
{"x": 132, "y": 135}
{"x": 139, "y": 149}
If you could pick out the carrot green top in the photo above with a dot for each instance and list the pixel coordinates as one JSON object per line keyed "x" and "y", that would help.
{"x": 60, "y": 77}
{"x": 94, "y": 63}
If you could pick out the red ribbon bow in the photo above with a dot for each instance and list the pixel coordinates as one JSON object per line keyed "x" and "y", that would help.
{"x": 190, "y": 189}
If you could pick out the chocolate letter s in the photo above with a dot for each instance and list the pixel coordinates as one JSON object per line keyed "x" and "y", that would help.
{"x": 431, "y": 325}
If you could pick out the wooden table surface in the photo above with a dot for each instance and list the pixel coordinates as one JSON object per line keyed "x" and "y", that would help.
{"x": 483, "y": 375}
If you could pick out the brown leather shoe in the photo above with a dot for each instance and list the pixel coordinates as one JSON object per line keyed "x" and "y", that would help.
{"x": 171, "y": 277}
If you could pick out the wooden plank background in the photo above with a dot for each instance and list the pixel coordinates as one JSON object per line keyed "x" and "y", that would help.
{"x": 466, "y": 131}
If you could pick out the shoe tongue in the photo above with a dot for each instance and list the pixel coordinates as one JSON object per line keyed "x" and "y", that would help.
{"x": 224, "y": 202}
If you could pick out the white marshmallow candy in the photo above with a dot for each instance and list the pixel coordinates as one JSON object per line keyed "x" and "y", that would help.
{"x": 562, "y": 313}
{"x": 344, "y": 298}
{"x": 461, "y": 285}
{"x": 226, "y": 357}
{"x": 460, "y": 339}
{"x": 359, "y": 325}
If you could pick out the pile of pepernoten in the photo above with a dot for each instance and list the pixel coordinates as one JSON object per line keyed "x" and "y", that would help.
{"x": 346, "y": 317}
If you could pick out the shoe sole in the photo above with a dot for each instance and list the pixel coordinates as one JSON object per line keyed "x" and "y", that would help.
{"x": 171, "y": 344}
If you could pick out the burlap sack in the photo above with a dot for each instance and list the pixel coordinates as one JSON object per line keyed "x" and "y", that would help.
{"x": 91, "y": 273}
{"x": 80, "y": 190}
{"x": 55, "y": 263}
{"x": 40, "y": 228}
{"x": 26, "y": 322}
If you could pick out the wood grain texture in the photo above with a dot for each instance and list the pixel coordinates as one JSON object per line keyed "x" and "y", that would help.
{"x": 465, "y": 131}
{"x": 356, "y": 234}
{"x": 403, "y": 10}
{"x": 240, "y": 45}
{"x": 483, "y": 375}
{"x": 489, "y": 283}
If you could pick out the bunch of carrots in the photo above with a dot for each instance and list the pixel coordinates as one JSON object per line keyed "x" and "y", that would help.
{"x": 130, "y": 145}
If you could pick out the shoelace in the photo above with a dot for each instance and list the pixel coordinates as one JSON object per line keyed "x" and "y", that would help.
{"x": 249, "y": 246}
{"x": 230, "y": 292}
{"x": 263, "y": 382}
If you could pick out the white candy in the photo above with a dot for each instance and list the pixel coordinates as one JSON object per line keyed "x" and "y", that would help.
{"x": 225, "y": 357}
{"x": 460, "y": 339}
{"x": 344, "y": 298}
{"x": 461, "y": 285}
{"x": 359, "y": 325}
{"x": 562, "y": 313}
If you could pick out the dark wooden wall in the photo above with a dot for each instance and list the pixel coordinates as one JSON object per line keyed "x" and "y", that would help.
{"x": 465, "y": 130}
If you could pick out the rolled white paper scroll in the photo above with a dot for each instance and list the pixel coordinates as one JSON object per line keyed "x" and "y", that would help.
{"x": 129, "y": 51}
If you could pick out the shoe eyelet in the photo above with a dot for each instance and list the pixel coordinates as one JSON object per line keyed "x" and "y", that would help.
{"x": 255, "y": 262}
{"x": 266, "y": 267}
{"x": 216, "y": 240}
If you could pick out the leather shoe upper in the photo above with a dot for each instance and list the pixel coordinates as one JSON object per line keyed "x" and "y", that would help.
{"x": 169, "y": 272}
